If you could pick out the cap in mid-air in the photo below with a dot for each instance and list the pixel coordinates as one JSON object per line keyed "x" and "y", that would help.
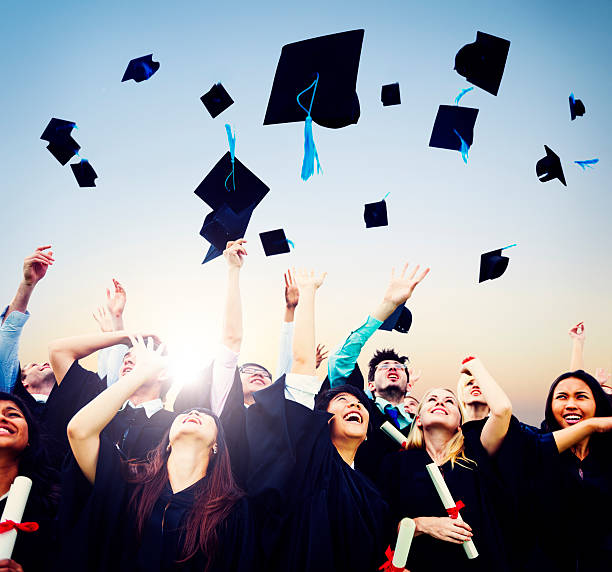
{"x": 61, "y": 144}
{"x": 577, "y": 108}
{"x": 549, "y": 167}
{"x": 140, "y": 69}
{"x": 375, "y": 214}
{"x": 274, "y": 242}
{"x": 84, "y": 173}
{"x": 390, "y": 94}
{"x": 493, "y": 264}
{"x": 400, "y": 320}
{"x": 454, "y": 129}
{"x": 216, "y": 100}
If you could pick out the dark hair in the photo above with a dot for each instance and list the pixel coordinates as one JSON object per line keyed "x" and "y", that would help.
{"x": 603, "y": 408}
{"x": 34, "y": 461}
{"x": 323, "y": 399}
{"x": 384, "y": 355}
{"x": 165, "y": 385}
{"x": 256, "y": 365}
{"x": 213, "y": 502}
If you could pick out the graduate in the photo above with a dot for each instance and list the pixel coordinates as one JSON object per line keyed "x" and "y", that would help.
{"x": 178, "y": 510}
{"x": 23, "y": 452}
{"x": 463, "y": 458}
{"x": 315, "y": 511}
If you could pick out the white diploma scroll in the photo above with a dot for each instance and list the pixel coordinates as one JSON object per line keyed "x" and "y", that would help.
{"x": 404, "y": 540}
{"x": 13, "y": 510}
{"x": 448, "y": 502}
{"x": 394, "y": 433}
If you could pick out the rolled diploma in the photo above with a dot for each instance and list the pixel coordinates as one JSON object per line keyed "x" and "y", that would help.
{"x": 13, "y": 510}
{"x": 394, "y": 433}
{"x": 404, "y": 540}
{"x": 448, "y": 502}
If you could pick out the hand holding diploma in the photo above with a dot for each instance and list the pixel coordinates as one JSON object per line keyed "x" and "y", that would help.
{"x": 453, "y": 510}
{"x": 394, "y": 433}
{"x": 11, "y": 517}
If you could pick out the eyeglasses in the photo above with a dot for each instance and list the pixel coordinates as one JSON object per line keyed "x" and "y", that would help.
{"x": 254, "y": 370}
{"x": 386, "y": 366}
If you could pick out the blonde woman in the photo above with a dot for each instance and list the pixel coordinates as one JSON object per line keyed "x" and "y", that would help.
{"x": 463, "y": 458}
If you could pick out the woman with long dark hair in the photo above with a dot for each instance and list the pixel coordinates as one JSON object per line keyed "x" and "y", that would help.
{"x": 23, "y": 453}
{"x": 178, "y": 510}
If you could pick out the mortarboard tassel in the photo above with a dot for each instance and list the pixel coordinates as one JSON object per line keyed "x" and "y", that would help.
{"x": 232, "y": 146}
{"x": 464, "y": 147}
{"x": 310, "y": 151}
{"x": 587, "y": 163}
{"x": 463, "y": 92}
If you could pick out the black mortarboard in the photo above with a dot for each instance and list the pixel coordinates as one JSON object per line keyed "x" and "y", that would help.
{"x": 84, "y": 173}
{"x": 390, "y": 94}
{"x": 249, "y": 189}
{"x": 482, "y": 63}
{"x": 140, "y": 69}
{"x": 450, "y": 121}
{"x": 576, "y": 107}
{"x": 223, "y": 225}
{"x": 216, "y": 100}
{"x": 549, "y": 167}
{"x": 375, "y": 214}
{"x": 492, "y": 265}
{"x": 274, "y": 242}
{"x": 61, "y": 144}
{"x": 336, "y": 59}
{"x": 400, "y": 320}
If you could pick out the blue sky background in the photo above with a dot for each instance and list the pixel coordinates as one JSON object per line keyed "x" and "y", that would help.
{"x": 152, "y": 143}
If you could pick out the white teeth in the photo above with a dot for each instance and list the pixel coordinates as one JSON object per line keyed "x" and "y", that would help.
{"x": 4, "y": 430}
{"x": 573, "y": 417}
{"x": 353, "y": 417}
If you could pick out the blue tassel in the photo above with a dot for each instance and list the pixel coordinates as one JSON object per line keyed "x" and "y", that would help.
{"x": 588, "y": 163}
{"x": 290, "y": 243}
{"x": 464, "y": 147}
{"x": 463, "y": 92}
{"x": 310, "y": 152}
{"x": 232, "y": 146}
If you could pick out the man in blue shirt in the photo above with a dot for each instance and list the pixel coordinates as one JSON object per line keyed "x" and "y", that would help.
{"x": 37, "y": 379}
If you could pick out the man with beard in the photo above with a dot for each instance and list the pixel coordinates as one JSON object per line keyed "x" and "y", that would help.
{"x": 387, "y": 375}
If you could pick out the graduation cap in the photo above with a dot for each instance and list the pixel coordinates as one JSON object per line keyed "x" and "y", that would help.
{"x": 375, "y": 214}
{"x": 248, "y": 192}
{"x": 454, "y": 129}
{"x": 216, "y": 100}
{"x": 482, "y": 63}
{"x": 274, "y": 242}
{"x": 223, "y": 225}
{"x": 390, "y": 94}
{"x": 549, "y": 167}
{"x": 400, "y": 320}
{"x": 140, "y": 69}
{"x": 61, "y": 144}
{"x": 315, "y": 80}
{"x": 493, "y": 264}
{"x": 84, "y": 173}
{"x": 576, "y": 107}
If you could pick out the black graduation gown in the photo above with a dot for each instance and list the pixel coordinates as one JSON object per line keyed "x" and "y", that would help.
{"x": 410, "y": 492}
{"x": 98, "y": 526}
{"x": 134, "y": 433}
{"x": 34, "y": 550}
{"x": 315, "y": 513}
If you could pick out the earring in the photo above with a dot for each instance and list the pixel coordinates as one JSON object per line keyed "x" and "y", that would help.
{"x": 168, "y": 448}
{"x": 214, "y": 449}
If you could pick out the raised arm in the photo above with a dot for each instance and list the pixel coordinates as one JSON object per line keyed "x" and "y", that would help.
{"x": 63, "y": 352}
{"x": 304, "y": 351}
{"x": 578, "y": 336}
{"x": 85, "y": 427}
{"x": 496, "y": 426}
{"x": 342, "y": 362}
{"x": 16, "y": 315}
{"x": 292, "y": 297}
{"x": 232, "y": 321}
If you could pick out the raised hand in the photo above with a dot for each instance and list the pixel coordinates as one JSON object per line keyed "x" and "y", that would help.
{"x": 149, "y": 364}
{"x": 235, "y": 252}
{"x": 307, "y": 279}
{"x": 103, "y": 317}
{"x": 577, "y": 332}
{"x": 413, "y": 377}
{"x": 36, "y": 265}
{"x": 322, "y": 354}
{"x": 292, "y": 292}
{"x": 401, "y": 287}
{"x": 602, "y": 375}
{"x": 116, "y": 302}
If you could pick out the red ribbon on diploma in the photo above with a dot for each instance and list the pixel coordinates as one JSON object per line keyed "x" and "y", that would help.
{"x": 453, "y": 511}
{"x": 23, "y": 526}
{"x": 388, "y": 565}
{"x": 467, "y": 359}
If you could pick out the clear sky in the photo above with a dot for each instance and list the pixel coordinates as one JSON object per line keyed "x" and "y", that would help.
{"x": 153, "y": 142}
